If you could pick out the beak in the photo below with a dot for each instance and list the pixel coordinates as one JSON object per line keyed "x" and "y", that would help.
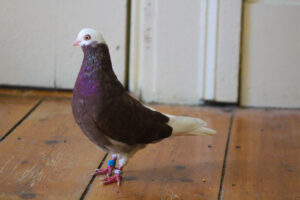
{"x": 76, "y": 43}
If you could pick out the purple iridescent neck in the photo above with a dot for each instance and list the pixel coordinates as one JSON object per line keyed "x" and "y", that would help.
{"x": 95, "y": 55}
{"x": 96, "y": 72}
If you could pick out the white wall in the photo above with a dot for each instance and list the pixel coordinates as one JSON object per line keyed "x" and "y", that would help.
{"x": 36, "y": 38}
{"x": 181, "y": 51}
{"x": 185, "y": 51}
{"x": 271, "y": 54}
{"x": 168, "y": 51}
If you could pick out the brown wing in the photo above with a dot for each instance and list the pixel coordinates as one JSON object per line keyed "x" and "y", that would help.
{"x": 127, "y": 120}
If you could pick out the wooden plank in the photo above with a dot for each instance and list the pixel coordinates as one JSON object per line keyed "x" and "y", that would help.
{"x": 47, "y": 156}
{"x": 23, "y": 92}
{"x": 174, "y": 168}
{"x": 12, "y": 110}
{"x": 263, "y": 159}
{"x": 36, "y": 92}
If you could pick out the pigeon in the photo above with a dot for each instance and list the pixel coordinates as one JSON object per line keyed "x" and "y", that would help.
{"x": 111, "y": 118}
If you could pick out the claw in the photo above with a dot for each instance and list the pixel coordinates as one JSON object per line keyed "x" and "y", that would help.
{"x": 116, "y": 178}
{"x": 108, "y": 171}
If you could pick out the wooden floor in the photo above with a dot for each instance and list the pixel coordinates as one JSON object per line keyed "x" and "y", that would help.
{"x": 44, "y": 155}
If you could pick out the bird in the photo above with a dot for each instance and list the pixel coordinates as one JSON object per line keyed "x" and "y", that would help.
{"x": 111, "y": 118}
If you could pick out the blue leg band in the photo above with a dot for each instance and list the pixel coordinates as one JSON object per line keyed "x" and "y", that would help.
{"x": 111, "y": 163}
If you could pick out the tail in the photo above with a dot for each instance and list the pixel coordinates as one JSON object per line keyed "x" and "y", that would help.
{"x": 189, "y": 126}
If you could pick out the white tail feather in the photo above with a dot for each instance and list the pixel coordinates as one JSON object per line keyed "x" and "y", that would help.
{"x": 188, "y": 126}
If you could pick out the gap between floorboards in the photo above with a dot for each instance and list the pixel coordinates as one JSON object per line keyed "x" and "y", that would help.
{"x": 22, "y": 119}
{"x": 92, "y": 179}
{"x": 225, "y": 155}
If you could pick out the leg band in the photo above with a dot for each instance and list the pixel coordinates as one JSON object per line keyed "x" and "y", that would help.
{"x": 111, "y": 163}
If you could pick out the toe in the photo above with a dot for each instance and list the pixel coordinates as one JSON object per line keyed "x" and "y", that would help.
{"x": 109, "y": 180}
{"x": 99, "y": 172}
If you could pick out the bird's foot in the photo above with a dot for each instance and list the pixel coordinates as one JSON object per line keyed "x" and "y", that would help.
{"x": 116, "y": 178}
{"x": 108, "y": 170}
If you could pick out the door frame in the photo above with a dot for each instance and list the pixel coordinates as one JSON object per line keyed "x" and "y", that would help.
{"x": 220, "y": 50}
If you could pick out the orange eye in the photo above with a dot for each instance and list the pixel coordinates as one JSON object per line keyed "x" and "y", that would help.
{"x": 87, "y": 37}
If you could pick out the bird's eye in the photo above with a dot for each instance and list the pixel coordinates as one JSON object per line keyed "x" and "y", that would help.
{"x": 87, "y": 37}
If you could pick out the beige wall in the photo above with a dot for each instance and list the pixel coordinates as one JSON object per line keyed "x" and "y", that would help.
{"x": 185, "y": 51}
{"x": 271, "y": 54}
{"x": 180, "y": 52}
{"x": 36, "y": 38}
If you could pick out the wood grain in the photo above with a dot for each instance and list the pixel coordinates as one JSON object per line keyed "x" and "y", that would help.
{"x": 176, "y": 168}
{"x": 36, "y": 92}
{"x": 23, "y": 92}
{"x": 12, "y": 110}
{"x": 264, "y": 156}
{"x": 47, "y": 156}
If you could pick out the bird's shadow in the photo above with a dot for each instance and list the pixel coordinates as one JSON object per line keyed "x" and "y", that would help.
{"x": 170, "y": 173}
{"x": 172, "y": 181}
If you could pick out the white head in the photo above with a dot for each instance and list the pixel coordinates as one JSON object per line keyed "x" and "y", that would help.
{"x": 88, "y": 36}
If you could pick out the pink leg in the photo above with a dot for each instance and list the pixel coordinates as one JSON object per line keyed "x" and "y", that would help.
{"x": 116, "y": 178}
{"x": 108, "y": 170}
